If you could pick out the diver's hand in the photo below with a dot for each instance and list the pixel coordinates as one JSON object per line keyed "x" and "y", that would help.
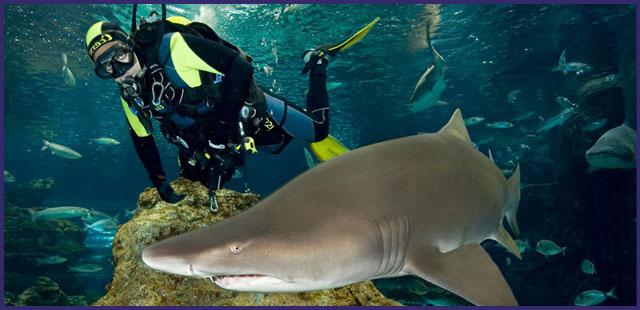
{"x": 167, "y": 193}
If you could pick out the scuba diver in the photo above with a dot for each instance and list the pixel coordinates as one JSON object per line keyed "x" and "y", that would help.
{"x": 200, "y": 89}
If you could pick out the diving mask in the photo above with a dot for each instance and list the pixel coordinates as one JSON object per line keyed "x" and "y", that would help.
{"x": 114, "y": 62}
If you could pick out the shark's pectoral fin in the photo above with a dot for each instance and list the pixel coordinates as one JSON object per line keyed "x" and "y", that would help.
{"x": 468, "y": 272}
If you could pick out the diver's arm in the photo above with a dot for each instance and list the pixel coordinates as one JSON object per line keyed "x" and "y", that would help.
{"x": 148, "y": 153}
{"x": 150, "y": 157}
{"x": 143, "y": 142}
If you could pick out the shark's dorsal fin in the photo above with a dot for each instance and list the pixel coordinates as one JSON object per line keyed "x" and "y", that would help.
{"x": 491, "y": 157}
{"x": 503, "y": 237}
{"x": 468, "y": 271}
{"x": 455, "y": 127}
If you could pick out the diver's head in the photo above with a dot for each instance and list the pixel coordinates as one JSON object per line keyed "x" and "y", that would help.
{"x": 110, "y": 50}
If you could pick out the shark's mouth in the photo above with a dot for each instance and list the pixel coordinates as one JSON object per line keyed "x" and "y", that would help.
{"x": 236, "y": 281}
{"x": 249, "y": 282}
{"x": 232, "y": 277}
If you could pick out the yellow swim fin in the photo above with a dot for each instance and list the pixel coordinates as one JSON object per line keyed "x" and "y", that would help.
{"x": 328, "y": 148}
{"x": 353, "y": 39}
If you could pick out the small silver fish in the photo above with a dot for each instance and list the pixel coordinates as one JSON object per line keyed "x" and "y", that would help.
{"x": 595, "y": 125}
{"x": 594, "y": 297}
{"x": 296, "y": 7}
{"x": 473, "y": 120}
{"x": 565, "y": 103}
{"x": 106, "y": 141}
{"x": 566, "y": 67}
{"x": 103, "y": 226}
{"x": 522, "y": 245}
{"x": 485, "y": 140}
{"x": 549, "y": 248}
{"x": 588, "y": 267}
{"x": 67, "y": 76}
{"x": 500, "y": 125}
{"x": 333, "y": 85}
{"x": 513, "y": 96}
{"x": 524, "y": 116}
{"x": 50, "y": 260}
{"x": 556, "y": 120}
{"x": 60, "y": 150}
{"x": 84, "y": 268}
{"x": 417, "y": 287}
{"x": 64, "y": 212}
{"x": 8, "y": 177}
{"x": 95, "y": 215}
{"x": 130, "y": 213}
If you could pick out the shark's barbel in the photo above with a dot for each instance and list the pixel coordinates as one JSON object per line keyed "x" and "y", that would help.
{"x": 418, "y": 205}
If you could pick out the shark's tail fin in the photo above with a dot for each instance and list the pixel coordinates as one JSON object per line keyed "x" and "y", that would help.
{"x": 513, "y": 194}
{"x": 45, "y": 145}
{"x": 436, "y": 56}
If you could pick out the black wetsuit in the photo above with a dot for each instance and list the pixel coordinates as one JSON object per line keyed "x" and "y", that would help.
{"x": 197, "y": 94}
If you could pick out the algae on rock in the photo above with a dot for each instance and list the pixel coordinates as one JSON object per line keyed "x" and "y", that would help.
{"x": 45, "y": 292}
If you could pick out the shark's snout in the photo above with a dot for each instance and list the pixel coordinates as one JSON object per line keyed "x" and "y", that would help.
{"x": 154, "y": 257}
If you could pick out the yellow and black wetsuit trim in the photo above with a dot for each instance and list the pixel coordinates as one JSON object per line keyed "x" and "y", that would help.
{"x": 134, "y": 122}
{"x": 183, "y": 65}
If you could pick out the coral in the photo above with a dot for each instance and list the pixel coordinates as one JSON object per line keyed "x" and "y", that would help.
{"x": 45, "y": 292}
{"x": 32, "y": 193}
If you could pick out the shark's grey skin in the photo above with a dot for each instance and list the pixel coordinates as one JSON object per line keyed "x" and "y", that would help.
{"x": 418, "y": 205}
{"x": 615, "y": 149}
{"x": 431, "y": 84}
{"x": 60, "y": 150}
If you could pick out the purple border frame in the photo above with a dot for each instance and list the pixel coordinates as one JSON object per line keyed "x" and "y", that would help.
{"x": 329, "y": 1}
{"x": 313, "y": 1}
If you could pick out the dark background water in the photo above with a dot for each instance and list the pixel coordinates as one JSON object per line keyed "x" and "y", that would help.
{"x": 490, "y": 50}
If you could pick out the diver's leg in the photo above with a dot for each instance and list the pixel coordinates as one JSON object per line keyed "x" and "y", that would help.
{"x": 311, "y": 125}
{"x": 318, "y": 100}
{"x": 295, "y": 121}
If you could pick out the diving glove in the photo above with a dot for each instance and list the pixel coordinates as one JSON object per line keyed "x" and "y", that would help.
{"x": 168, "y": 194}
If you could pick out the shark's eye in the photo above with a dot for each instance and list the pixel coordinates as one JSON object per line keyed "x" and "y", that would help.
{"x": 235, "y": 248}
